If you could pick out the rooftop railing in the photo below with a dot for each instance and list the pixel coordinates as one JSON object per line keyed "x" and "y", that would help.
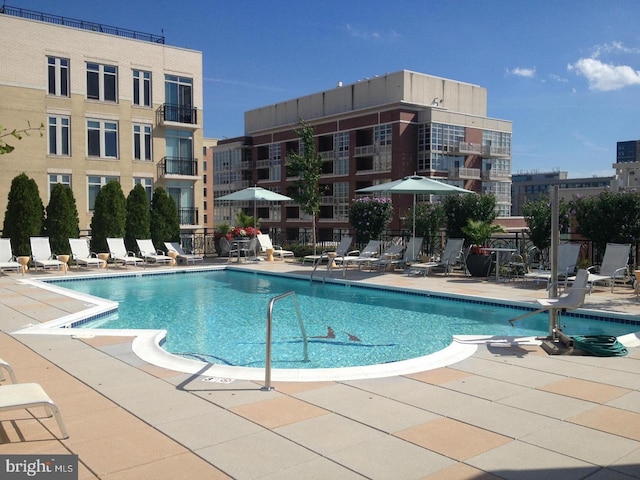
{"x": 81, "y": 24}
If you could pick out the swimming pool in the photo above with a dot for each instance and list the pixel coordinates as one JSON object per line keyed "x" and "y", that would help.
{"x": 219, "y": 317}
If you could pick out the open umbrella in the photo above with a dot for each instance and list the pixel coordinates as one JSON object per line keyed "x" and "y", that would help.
{"x": 254, "y": 194}
{"x": 416, "y": 185}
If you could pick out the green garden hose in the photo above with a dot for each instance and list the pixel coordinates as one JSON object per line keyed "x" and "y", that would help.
{"x": 600, "y": 345}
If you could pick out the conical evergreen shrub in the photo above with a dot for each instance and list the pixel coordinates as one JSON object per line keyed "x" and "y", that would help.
{"x": 24, "y": 215}
{"x": 138, "y": 218}
{"x": 165, "y": 225}
{"x": 109, "y": 216}
{"x": 62, "y": 221}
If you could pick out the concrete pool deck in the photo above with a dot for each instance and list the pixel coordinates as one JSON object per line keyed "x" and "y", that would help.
{"x": 508, "y": 411}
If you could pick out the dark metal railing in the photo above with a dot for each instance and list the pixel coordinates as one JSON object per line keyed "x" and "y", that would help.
{"x": 177, "y": 166}
{"x": 188, "y": 216}
{"x": 81, "y": 24}
{"x": 177, "y": 113}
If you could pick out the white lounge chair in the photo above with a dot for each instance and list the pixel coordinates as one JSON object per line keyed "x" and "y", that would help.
{"x": 567, "y": 261}
{"x": 41, "y": 253}
{"x": 265, "y": 243}
{"x": 5, "y": 366}
{"x": 149, "y": 253}
{"x": 614, "y": 266}
{"x": 20, "y": 396}
{"x": 7, "y": 260}
{"x": 82, "y": 255}
{"x": 572, "y": 298}
{"x": 119, "y": 254}
{"x": 411, "y": 254}
{"x": 181, "y": 254}
{"x": 341, "y": 251}
{"x": 452, "y": 254}
{"x": 369, "y": 253}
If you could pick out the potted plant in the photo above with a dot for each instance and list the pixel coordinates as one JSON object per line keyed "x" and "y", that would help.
{"x": 478, "y": 233}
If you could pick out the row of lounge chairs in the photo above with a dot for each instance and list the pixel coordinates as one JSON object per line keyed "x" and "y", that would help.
{"x": 42, "y": 257}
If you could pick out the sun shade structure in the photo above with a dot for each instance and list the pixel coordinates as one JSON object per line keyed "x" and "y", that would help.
{"x": 255, "y": 194}
{"x": 415, "y": 185}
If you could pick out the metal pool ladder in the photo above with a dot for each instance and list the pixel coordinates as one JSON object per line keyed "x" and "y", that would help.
{"x": 267, "y": 364}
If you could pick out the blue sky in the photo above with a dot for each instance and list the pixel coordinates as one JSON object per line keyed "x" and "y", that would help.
{"x": 565, "y": 72}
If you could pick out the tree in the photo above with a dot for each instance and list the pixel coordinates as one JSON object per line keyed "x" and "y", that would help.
{"x": 461, "y": 208}
{"x": 17, "y": 134}
{"x": 537, "y": 215}
{"x": 109, "y": 216}
{"x": 609, "y": 218}
{"x": 307, "y": 167}
{"x": 62, "y": 221}
{"x": 430, "y": 218}
{"x": 138, "y": 223}
{"x": 24, "y": 216}
{"x": 165, "y": 224}
{"x": 369, "y": 216}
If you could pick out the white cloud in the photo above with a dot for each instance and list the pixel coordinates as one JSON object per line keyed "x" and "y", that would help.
{"x": 523, "y": 72}
{"x": 613, "y": 47}
{"x": 371, "y": 35}
{"x": 604, "y": 76}
{"x": 557, "y": 78}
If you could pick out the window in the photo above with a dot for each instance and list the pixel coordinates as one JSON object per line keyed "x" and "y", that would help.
{"x": 102, "y": 81}
{"x": 94, "y": 184}
{"x": 142, "y": 88}
{"x": 178, "y": 92}
{"x": 54, "y": 179}
{"x": 142, "y": 142}
{"x": 58, "y": 73}
{"x": 102, "y": 139}
{"x": 59, "y": 135}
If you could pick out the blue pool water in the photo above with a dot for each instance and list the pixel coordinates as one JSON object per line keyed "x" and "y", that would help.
{"x": 220, "y": 317}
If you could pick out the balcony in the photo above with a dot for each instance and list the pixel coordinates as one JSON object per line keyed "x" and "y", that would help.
{"x": 184, "y": 167}
{"x": 367, "y": 150}
{"x": 490, "y": 151}
{"x": 464, "y": 174}
{"x": 496, "y": 176}
{"x": 465, "y": 148}
{"x": 188, "y": 216}
{"x": 177, "y": 115}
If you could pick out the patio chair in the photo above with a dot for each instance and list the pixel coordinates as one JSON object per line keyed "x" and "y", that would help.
{"x": 41, "y": 253}
{"x": 244, "y": 247}
{"x": 341, "y": 251}
{"x": 7, "y": 260}
{"x": 81, "y": 254}
{"x": 119, "y": 254}
{"x": 181, "y": 254}
{"x": 614, "y": 266}
{"x": 265, "y": 244}
{"x": 567, "y": 261}
{"x": 20, "y": 396}
{"x": 5, "y": 366}
{"x": 411, "y": 254}
{"x": 150, "y": 254}
{"x": 363, "y": 257}
{"x": 451, "y": 256}
{"x": 570, "y": 300}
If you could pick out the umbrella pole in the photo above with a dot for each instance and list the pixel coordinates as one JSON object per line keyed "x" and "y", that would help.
{"x": 413, "y": 245}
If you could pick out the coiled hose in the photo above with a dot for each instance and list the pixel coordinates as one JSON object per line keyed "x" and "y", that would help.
{"x": 600, "y": 345}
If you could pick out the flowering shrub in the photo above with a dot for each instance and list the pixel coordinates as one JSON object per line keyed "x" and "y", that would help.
{"x": 369, "y": 216}
{"x": 244, "y": 232}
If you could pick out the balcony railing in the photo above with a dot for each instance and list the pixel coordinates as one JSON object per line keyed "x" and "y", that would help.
{"x": 188, "y": 216}
{"x": 366, "y": 150}
{"x": 464, "y": 173}
{"x": 490, "y": 151}
{"x": 495, "y": 175}
{"x": 81, "y": 24}
{"x": 177, "y": 166}
{"x": 177, "y": 114}
{"x": 466, "y": 148}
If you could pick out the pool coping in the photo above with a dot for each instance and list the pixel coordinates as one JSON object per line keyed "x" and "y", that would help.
{"x": 147, "y": 343}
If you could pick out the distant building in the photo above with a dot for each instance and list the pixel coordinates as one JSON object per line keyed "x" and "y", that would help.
{"x": 116, "y": 104}
{"x": 373, "y": 131}
{"x": 628, "y": 164}
{"x": 207, "y": 182}
{"x": 533, "y": 185}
